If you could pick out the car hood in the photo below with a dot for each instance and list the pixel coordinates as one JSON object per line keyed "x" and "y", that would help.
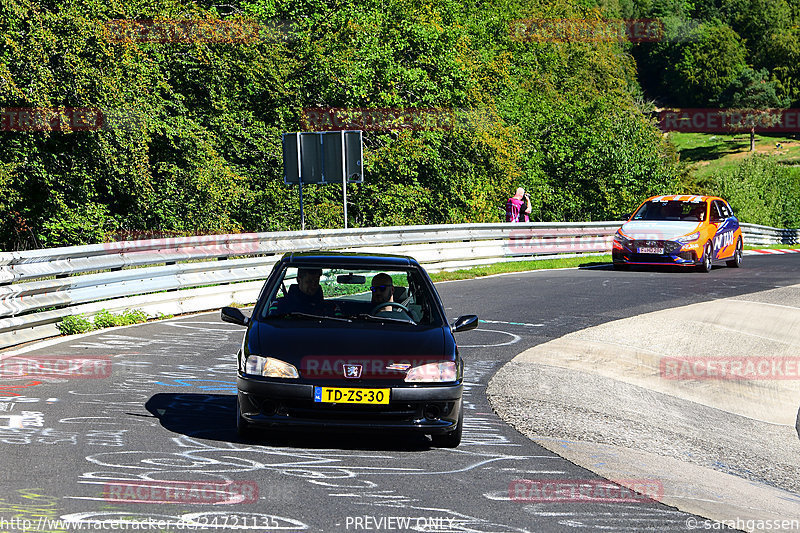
{"x": 659, "y": 230}
{"x": 326, "y": 346}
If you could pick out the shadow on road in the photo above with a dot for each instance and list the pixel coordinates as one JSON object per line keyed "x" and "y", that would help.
{"x": 671, "y": 269}
{"x": 213, "y": 417}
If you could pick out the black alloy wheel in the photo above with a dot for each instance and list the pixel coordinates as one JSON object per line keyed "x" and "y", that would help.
{"x": 708, "y": 254}
{"x": 736, "y": 260}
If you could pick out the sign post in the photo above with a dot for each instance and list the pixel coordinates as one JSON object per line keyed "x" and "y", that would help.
{"x": 344, "y": 180}
{"x": 323, "y": 157}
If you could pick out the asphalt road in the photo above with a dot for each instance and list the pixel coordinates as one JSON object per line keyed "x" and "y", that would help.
{"x": 158, "y": 416}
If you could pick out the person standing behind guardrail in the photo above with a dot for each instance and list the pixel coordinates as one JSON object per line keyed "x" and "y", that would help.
{"x": 514, "y": 211}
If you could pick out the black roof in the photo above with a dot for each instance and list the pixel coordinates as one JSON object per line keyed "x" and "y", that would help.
{"x": 326, "y": 258}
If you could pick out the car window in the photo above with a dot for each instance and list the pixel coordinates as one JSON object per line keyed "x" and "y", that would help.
{"x": 725, "y": 209}
{"x": 716, "y": 210}
{"x": 349, "y": 293}
{"x": 672, "y": 210}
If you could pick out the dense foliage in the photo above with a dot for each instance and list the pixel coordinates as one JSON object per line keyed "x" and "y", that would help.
{"x": 762, "y": 191}
{"x": 709, "y": 43}
{"x": 739, "y": 54}
{"x": 193, "y": 143}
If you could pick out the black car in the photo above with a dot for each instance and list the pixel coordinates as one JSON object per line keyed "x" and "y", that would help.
{"x": 350, "y": 342}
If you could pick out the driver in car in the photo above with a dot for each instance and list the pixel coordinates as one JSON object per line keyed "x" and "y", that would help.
{"x": 382, "y": 289}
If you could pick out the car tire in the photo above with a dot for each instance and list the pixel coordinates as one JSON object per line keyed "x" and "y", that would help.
{"x": 243, "y": 428}
{"x": 453, "y": 438}
{"x": 736, "y": 261}
{"x": 707, "y": 260}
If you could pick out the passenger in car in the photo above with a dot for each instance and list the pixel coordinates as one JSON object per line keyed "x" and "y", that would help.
{"x": 304, "y": 297}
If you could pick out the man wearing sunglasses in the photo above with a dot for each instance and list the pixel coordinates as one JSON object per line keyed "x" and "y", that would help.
{"x": 382, "y": 290}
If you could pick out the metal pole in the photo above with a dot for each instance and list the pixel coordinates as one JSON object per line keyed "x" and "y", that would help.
{"x": 302, "y": 215}
{"x": 344, "y": 180}
{"x": 300, "y": 180}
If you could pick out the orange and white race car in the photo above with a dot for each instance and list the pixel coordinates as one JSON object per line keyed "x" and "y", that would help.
{"x": 682, "y": 230}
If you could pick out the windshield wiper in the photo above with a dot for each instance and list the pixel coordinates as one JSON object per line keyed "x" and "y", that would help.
{"x": 373, "y": 318}
{"x": 308, "y": 316}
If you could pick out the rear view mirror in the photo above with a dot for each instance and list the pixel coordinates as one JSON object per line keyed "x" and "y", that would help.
{"x": 351, "y": 279}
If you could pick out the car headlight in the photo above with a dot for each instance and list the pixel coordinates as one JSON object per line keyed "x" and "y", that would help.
{"x": 432, "y": 372}
{"x": 269, "y": 367}
{"x": 621, "y": 239}
{"x": 688, "y": 238}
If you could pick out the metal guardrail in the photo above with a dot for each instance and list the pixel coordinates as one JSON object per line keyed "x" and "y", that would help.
{"x": 755, "y": 235}
{"x": 38, "y": 288}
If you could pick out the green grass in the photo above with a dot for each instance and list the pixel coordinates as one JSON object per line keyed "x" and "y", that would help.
{"x": 74, "y": 324}
{"x": 708, "y": 154}
{"x": 520, "y": 266}
{"x": 773, "y": 247}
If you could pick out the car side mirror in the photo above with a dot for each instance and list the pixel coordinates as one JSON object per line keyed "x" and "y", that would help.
{"x": 465, "y": 323}
{"x": 234, "y": 315}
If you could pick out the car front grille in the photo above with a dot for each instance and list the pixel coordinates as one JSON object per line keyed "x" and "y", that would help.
{"x": 668, "y": 246}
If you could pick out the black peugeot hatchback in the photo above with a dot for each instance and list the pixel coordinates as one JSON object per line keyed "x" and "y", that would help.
{"x": 350, "y": 341}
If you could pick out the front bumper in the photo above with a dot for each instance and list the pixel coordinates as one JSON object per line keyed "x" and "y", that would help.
{"x": 429, "y": 409}
{"x": 671, "y": 256}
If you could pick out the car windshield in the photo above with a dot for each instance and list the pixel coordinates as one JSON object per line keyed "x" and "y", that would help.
{"x": 347, "y": 294}
{"x": 672, "y": 210}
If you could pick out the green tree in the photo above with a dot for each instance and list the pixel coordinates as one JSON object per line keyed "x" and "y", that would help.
{"x": 193, "y": 143}
{"x": 704, "y": 65}
{"x": 758, "y": 22}
{"x": 752, "y": 90}
{"x": 784, "y": 54}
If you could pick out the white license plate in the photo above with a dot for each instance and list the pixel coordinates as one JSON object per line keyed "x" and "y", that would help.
{"x": 648, "y": 250}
